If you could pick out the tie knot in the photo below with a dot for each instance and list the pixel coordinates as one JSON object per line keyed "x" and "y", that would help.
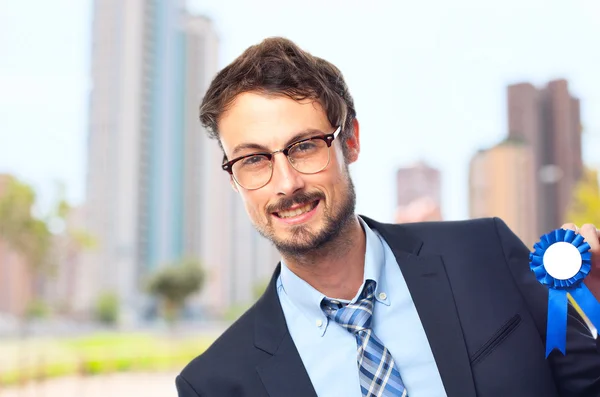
{"x": 354, "y": 317}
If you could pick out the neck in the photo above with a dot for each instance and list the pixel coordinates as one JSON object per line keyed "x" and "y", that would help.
{"x": 336, "y": 269}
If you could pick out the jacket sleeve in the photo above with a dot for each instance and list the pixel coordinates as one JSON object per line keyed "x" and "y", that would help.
{"x": 578, "y": 372}
{"x": 184, "y": 389}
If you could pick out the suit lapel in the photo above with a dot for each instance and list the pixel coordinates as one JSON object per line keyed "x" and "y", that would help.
{"x": 284, "y": 373}
{"x": 432, "y": 295}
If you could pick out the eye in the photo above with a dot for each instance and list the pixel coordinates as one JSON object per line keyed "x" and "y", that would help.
{"x": 306, "y": 146}
{"x": 254, "y": 161}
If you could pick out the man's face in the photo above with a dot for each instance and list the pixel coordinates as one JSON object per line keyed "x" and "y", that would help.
{"x": 297, "y": 212}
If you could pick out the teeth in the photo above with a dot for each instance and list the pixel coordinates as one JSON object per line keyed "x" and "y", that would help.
{"x": 296, "y": 212}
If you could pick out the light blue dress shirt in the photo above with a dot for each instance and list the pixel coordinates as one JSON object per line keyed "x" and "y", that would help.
{"x": 329, "y": 352}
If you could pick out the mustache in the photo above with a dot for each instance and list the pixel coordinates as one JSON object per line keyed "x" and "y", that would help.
{"x": 299, "y": 198}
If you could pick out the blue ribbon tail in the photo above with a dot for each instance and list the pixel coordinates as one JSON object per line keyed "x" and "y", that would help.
{"x": 556, "y": 329}
{"x": 588, "y": 304}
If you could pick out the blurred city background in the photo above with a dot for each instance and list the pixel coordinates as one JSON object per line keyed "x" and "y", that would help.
{"x": 123, "y": 250}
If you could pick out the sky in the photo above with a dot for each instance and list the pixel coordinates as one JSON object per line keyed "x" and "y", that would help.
{"x": 428, "y": 79}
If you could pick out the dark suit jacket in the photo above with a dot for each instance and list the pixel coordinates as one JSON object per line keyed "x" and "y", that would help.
{"x": 483, "y": 311}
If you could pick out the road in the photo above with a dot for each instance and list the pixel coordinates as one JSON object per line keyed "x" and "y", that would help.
{"x": 116, "y": 385}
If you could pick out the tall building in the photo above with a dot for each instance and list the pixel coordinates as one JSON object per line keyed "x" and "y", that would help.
{"x": 418, "y": 194}
{"x": 119, "y": 129}
{"x": 155, "y": 190}
{"x": 501, "y": 184}
{"x": 16, "y": 281}
{"x": 548, "y": 119}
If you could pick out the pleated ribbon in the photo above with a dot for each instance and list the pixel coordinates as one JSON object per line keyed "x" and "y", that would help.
{"x": 556, "y": 334}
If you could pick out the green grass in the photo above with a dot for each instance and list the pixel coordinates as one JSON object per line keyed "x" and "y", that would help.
{"x": 25, "y": 360}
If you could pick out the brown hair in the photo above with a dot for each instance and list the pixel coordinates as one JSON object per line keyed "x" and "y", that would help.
{"x": 277, "y": 66}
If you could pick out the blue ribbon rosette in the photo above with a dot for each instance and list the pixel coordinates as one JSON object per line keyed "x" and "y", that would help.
{"x": 561, "y": 261}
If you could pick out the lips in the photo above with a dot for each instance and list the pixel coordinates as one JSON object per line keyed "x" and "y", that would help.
{"x": 297, "y": 211}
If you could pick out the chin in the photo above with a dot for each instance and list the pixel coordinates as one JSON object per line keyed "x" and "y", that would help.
{"x": 301, "y": 240}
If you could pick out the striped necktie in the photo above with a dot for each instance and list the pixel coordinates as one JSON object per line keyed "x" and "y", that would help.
{"x": 378, "y": 374}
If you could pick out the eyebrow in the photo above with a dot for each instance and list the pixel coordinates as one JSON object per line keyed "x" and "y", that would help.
{"x": 296, "y": 137}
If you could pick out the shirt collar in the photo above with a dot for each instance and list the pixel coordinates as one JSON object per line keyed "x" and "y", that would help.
{"x": 308, "y": 300}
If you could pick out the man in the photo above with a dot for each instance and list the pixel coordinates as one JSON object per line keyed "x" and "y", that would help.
{"x": 357, "y": 307}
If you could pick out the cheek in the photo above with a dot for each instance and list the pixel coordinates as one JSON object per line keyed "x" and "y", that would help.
{"x": 254, "y": 204}
{"x": 341, "y": 184}
{"x": 333, "y": 185}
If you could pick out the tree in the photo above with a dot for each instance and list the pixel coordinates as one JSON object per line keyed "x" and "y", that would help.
{"x": 107, "y": 308}
{"x": 26, "y": 234}
{"x": 33, "y": 237}
{"x": 174, "y": 284}
{"x": 585, "y": 204}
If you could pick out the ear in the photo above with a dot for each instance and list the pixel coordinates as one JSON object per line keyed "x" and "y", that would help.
{"x": 233, "y": 184}
{"x": 353, "y": 142}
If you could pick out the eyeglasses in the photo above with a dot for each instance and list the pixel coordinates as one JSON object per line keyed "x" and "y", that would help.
{"x": 308, "y": 156}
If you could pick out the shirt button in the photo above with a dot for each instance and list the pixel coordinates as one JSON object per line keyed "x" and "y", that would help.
{"x": 382, "y": 296}
{"x": 319, "y": 323}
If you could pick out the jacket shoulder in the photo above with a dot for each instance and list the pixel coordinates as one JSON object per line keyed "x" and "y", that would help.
{"x": 230, "y": 359}
{"x": 467, "y": 225}
{"x": 466, "y": 234}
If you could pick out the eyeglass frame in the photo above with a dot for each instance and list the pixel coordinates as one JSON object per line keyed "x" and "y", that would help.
{"x": 328, "y": 138}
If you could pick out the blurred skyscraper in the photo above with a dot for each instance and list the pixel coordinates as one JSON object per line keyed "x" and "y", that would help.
{"x": 155, "y": 191}
{"x": 502, "y": 184}
{"x": 529, "y": 179}
{"x": 418, "y": 194}
{"x": 548, "y": 119}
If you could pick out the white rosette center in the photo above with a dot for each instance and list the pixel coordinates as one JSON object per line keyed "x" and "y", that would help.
{"x": 562, "y": 260}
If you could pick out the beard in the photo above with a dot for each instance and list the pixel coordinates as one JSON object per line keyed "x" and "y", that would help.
{"x": 304, "y": 241}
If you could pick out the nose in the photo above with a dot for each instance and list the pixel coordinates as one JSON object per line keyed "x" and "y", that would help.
{"x": 285, "y": 177}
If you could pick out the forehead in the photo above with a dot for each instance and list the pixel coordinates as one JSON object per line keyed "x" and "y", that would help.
{"x": 268, "y": 120}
